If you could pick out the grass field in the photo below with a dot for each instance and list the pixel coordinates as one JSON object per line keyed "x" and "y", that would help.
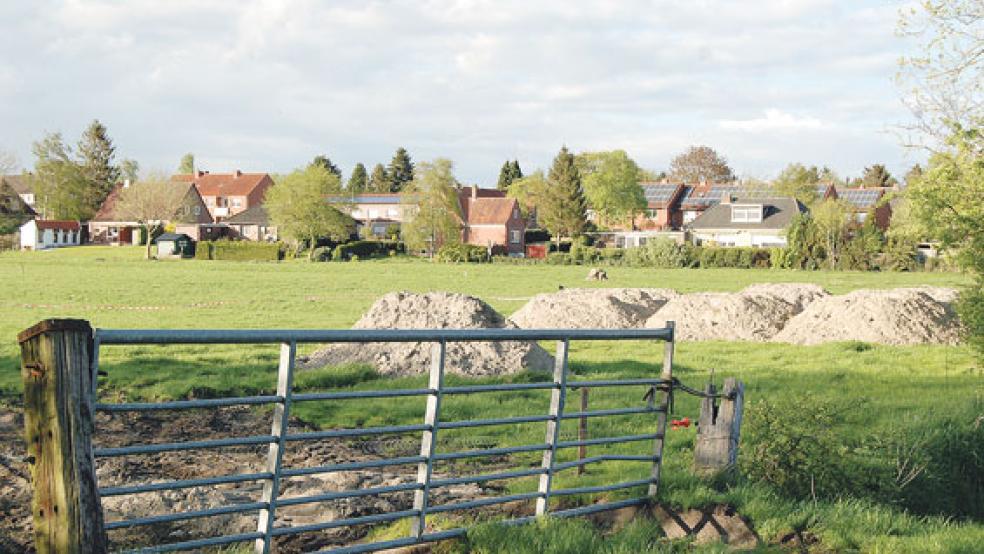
{"x": 884, "y": 388}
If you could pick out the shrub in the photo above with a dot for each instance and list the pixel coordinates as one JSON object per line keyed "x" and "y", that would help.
{"x": 536, "y": 235}
{"x": 366, "y": 249}
{"x": 459, "y": 253}
{"x": 203, "y": 250}
{"x": 243, "y": 250}
{"x": 322, "y": 254}
{"x": 558, "y": 258}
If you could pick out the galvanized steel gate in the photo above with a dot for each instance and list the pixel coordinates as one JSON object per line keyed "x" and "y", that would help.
{"x": 279, "y": 438}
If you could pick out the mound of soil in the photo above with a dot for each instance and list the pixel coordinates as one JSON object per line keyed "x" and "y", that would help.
{"x": 435, "y": 310}
{"x": 896, "y": 316}
{"x": 591, "y": 308}
{"x": 797, "y": 294}
{"x": 725, "y": 316}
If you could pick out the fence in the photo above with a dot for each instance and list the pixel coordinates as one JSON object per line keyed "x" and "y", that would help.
{"x": 60, "y": 366}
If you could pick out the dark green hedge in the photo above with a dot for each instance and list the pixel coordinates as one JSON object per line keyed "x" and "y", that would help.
{"x": 363, "y": 249}
{"x": 463, "y": 253}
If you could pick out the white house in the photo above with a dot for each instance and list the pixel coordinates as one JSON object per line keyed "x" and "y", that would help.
{"x": 43, "y": 234}
{"x": 759, "y": 222}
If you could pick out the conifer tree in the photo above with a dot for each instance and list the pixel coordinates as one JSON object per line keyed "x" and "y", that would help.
{"x": 358, "y": 181}
{"x": 95, "y": 154}
{"x": 400, "y": 170}
{"x": 325, "y": 162}
{"x": 187, "y": 165}
{"x": 509, "y": 172}
{"x": 379, "y": 181}
{"x": 562, "y": 208}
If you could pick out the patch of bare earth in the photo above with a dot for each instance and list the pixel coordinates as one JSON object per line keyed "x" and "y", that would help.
{"x": 435, "y": 310}
{"x": 616, "y": 308}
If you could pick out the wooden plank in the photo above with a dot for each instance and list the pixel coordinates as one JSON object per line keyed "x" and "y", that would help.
{"x": 557, "y": 397}
{"x": 716, "y": 447}
{"x": 58, "y": 427}
{"x": 664, "y": 403}
{"x": 275, "y": 455}
{"x": 428, "y": 442}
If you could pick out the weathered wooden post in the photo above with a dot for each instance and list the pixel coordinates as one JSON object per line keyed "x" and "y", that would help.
{"x": 58, "y": 426}
{"x": 716, "y": 447}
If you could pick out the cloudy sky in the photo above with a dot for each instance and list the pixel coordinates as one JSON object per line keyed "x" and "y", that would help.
{"x": 267, "y": 85}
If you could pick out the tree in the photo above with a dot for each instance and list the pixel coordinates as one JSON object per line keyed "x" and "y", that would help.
{"x": 832, "y": 218}
{"x": 400, "y": 170}
{"x": 187, "y": 165}
{"x": 129, "y": 170}
{"x": 529, "y": 192}
{"x": 59, "y": 185}
{"x": 701, "y": 163}
{"x": 611, "y": 184}
{"x": 562, "y": 207}
{"x": 358, "y": 181}
{"x": 435, "y": 213}
{"x": 509, "y": 172}
{"x": 379, "y": 181}
{"x": 151, "y": 202}
{"x": 799, "y": 182}
{"x": 877, "y": 176}
{"x": 96, "y": 152}
{"x": 298, "y": 205}
{"x": 947, "y": 199}
{"x": 942, "y": 81}
{"x": 8, "y": 162}
{"x": 913, "y": 175}
{"x": 326, "y": 163}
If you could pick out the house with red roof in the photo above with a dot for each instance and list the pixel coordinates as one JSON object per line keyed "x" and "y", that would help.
{"x": 492, "y": 220}
{"x": 111, "y": 225}
{"x": 227, "y": 194}
{"x": 42, "y": 234}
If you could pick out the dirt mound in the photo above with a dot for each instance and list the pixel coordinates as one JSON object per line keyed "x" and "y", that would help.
{"x": 591, "y": 308}
{"x": 897, "y": 316}
{"x": 797, "y": 294}
{"x": 435, "y": 310}
{"x": 725, "y": 316}
{"x": 940, "y": 294}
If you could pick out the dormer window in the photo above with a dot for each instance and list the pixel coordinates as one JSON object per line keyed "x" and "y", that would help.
{"x": 746, "y": 213}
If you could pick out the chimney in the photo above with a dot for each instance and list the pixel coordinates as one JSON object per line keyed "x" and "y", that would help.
{"x": 474, "y": 191}
{"x": 238, "y": 173}
{"x": 200, "y": 173}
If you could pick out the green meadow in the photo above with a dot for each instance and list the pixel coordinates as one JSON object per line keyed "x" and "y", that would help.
{"x": 879, "y": 392}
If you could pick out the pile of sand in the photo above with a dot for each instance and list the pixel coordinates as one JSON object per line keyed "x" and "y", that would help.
{"x": 725, "y": 316}
{"x": 797, "y": 294}
{"x": 435, "y": 310}
{"x": 896, "y": 316}
{"x": 591, "y": 308}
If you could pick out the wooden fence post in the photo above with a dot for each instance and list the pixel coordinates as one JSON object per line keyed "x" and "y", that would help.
{"x": 58, "y": 426}
{"x": 716, "y": 447}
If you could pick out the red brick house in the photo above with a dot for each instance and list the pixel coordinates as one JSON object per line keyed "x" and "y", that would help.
{"x": 867, "y": 202}
{"x": 491, "y": 219}
{"x": 662, "y": 206}
{"x": 227, "y": 194}
{"x": 191, "y": 217}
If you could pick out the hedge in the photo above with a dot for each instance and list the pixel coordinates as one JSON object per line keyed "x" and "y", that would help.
{"x": 239, "y": 250}
{"x": 361, "y": 249}
{"x": 463, "y": 253}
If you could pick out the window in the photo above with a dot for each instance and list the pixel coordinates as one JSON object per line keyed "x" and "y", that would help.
{"x": 237, "y": 203}
{"x": 515, "y": 213}
{"x": 689, "y": 216}
{"x": 373, "y": 214}
{"x": 861, "y": 216}
{"x": 356, "y": 213}
{"x": 746, "y": 214}
{"x": 515, "y": 236}
{"x": 392, "y": 212}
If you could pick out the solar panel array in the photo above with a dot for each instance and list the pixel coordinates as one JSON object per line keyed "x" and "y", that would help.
{"x": 860, "y": 198}
{"x": 659, "y": 193}
{"x": 711, "y": 197}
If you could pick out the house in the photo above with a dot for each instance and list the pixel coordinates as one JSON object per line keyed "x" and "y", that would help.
{"x": 743, "y": 221}
{"x": 111, "y": 226}
{"x": 865, "y": 202}
{"x": 375, "y": 214}
{"x": 662, "y": 206}
{"x": 42, "y": 234}
{"x": 696, "y": 199}
{"x": 227, "y": 194}
{"x": 252, "y": 224}
{"x": 826, "y": 192}
{"x": 14, "y": 211}
{"x": 174, "y": 245}
{"x": 21, "y": 184}
{"x": 493, "y": 220}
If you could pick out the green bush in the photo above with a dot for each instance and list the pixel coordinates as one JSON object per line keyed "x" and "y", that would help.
{"x": 365, "y": 249}
{"x": 243, "y": 250}
{"x": 322, "y": 254}
{"x": 203, "y": 250}
{"x": 559, "y": 258}
{"x": 463, "y": 253}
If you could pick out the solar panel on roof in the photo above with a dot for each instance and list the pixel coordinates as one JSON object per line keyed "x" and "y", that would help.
{"x": 659, "y": 193}
{"x": 860, "y": 198}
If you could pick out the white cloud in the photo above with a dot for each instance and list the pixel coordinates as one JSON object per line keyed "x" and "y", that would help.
{"x": 774, "y": 120}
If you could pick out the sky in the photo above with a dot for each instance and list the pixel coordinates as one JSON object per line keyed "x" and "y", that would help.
{"x": 267, "y": 85}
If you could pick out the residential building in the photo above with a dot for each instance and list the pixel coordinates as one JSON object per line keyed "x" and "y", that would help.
{"x": 111, "y": 226}
{"x": 21, "y": 184}
{"x": 375, "y": 214}
{"x": 493, "y": 220}
{"x": 253, "y": 224}
{"x": 745, "y": 221}
{"x": 42, "y": 234}
{"x": 662, "y": 206}
{"x": 227, "y": 194}
{"x": 696, "y": 199}
{"x": 14, "y": 211}
{"x": 867, "y": 202}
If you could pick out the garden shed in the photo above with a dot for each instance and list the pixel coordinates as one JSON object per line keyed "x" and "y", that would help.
{"x": 175, "y": 245}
